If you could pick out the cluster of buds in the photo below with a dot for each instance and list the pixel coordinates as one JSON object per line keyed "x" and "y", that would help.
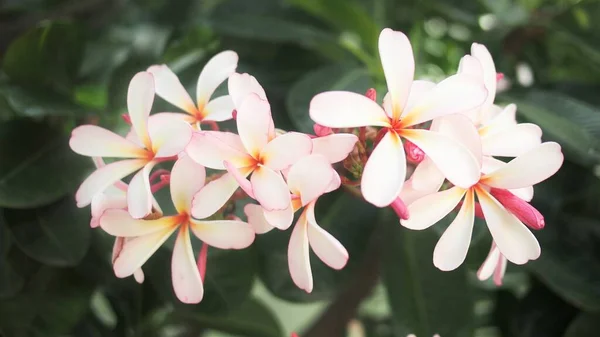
{"x": 450, "y": 131}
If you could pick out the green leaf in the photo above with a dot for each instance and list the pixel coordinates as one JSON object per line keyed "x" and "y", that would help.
{"x": 331, "y": 77}
{"x": 10, "y": 281}
{"x": 37, "y": 103}
{"x": 37, "y": 165}
{"x": 57, "y": 234}
{"x": 584, "y": 325}
{"x": 347, "y": 218}
{"x": 424, "y": 300}
{"x": 48, "y": 55}
{"x": 572, "y": 123}
{"x": 251, "y": 319}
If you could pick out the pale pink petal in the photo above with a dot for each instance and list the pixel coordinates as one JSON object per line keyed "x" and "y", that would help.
{"x": 398, "y": 64}
{"x": 139, "y": 193}
{"x": 253, "y": 122}
{"x": 213, "y": 196}
{"x": 94, "y": 141}
{"x": 219, "y": 109}
{"x": 335, "y": 182}
{"x": 256, "y": 219}
{"x": 500, "y": 270}
{"x": 118, "y": 222}
{"x": 409, "y": 193}
{"x": 452, "y": 158}
{"x": 491, "y": 164}
{"x": 490, "y": 264}
{"x": 512, "y": 237}
{"x": 462, "y": 129}
{"x": 344, "y": 109}
{"x": 169, "y": 136}
{"x": 335, "y": 147}
{"x": 104, "y": 177}
{"x": 211, "y": 148}
{"x": 137, "y": 251}
{"x": 138, "y": 275}
{"x": 470, "y": 65}
{"x": 310, "y": 177}
{"x": 102, "y": 202}
{"x": 117, "y": 247}
{"x": 512, "y": 141}
{"x": 451, "y": 250}
{"x": 269, "y": 189}
{"x": 457, "y": 93}
{"x": 224, "y": 234}
{"x": 169, "y": 88}
{"x": 418, "y": 90}
{"x": 240, "y": 176}
{"x": 242, "y": 85}
{"x": 497, "y": 118}
{"x": 298, "y": 256}
{"x": 480, "y": 52}
{"x": 525, "y": 193}
{"x": 185, "y": 275}
{"x": 428, "y": 210}
{"x": 528, "y": 169}
{"x": 140, "y": 97}
{"x": 285, "y": 150}
{"x": 325, "y": 246}
{"x": 281, "y": 219}
{"x": 187, "y": 178}
{"x": 385, "y": 171}
{"x": 427, "y": 177}
{"x": 215, "y": 72}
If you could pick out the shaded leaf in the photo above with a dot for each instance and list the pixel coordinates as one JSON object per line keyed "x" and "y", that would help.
{"x": 585, "y": 324}
{"x": 37, "y": 103}
{"x": 10, "y": 281}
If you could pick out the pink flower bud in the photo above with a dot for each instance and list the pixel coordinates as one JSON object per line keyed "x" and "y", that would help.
{"x": 413, "y": 153}
{"x": 322, "y": 131}
{"x": 520, "y": 208}
{"x": 126, "y": 118}
{"x": 202, "y": 258}
{"x": 499, "y": 76}
{"x": 234, "y": 114}
{"x": 371, "y": 94}
{"x": 400, "y": 208}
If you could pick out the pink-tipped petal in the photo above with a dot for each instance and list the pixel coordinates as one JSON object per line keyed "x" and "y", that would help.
{"x": 514, "y": 240}
{"x": 211, "y": 148}
{"x": 285, "y": 150}
{"x": 325, "y": 246}
{"x": 490, "y": 264}
{"x": 118, "y": 222}
{"x": 526, "y": 213}
{"x": 224, "y": 234}
{"x": 139, "y": 193}
{"x": 169, "y": 88}
{"x": 138, "y": 250}
{"x": 102, "y": 202}
{"x": 219, "y": 109}
{"x": 253, "y": 122}
{"x": 428, "y": 210}
{"x": 298, "y": 255}
{"x": 398, "y": 64}
{"x": 280, "y": 219}
{"x": 104, "y": 177}
{"x": 140, "y": 97}
{"x": 256, "y": 219}
{"x": 187, "y": 178}
{"x": 457, "y": 93}
{"x": 169, "y": 135}
{"x": 94, "y": 141}
{"x": 480, "y": 52}
{"x": 335, "y": 147}
{"x": 384, "y": 172}
{"x": 187, "y": 282}
{"x": 215, "y": 72}
{"x": 138, "y": 275}
{"x": 451, "y": 250}
{"x": 269, "y": 189}
{"x": 310, "y": 177}
{"x": 242, "y": 85}
{"x": 452, "y": 158}
{"x": 240, "y": 177}
{"x": 528, "y": 169}
{"x": 512, "y": 141}
{"x": 214, "y": 195}
{"x": 344, "y": 109}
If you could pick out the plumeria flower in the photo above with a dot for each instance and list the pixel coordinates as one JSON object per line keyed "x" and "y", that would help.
{"x": 494, "y": 265}
{"x": 256, "y": 151}
{"x": 503, "y": 218}
{"x": 153, "y": 140}
{"x": 215, "y": 72}
{"x": 308, "y": 179}
{"x": 187, "y": 177}
{"x": 407, "y": 104}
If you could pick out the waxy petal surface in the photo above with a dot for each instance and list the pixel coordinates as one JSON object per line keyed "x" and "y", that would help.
{"x": 169, "y": 88}
{"x": 428, "y": 210}
{"x": 187, "y": 178}
{"x": 224, "y": 234}
{"x": 344, "y": 109}
{"x": 215, "y": 72}
{"x": 94, "y": 141}
{"x": 185, "y": 275}
{"x": 140, "y": 97}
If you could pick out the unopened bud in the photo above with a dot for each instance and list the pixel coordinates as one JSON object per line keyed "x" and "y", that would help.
{"x": 371, "y": 94}
{"x": 499, "y": 76}
{"x": 519, "y": 208}
{"x": 322, "y": 131}
{"x": 400, "y": 208}
{"x": 234, "y": 114}
{"x": 414, "y": 154}
{"x": 126, "y": 118}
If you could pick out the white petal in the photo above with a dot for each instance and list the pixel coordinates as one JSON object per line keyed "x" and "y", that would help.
{"x": 169, "y": 88}
{"x": 335, "y": 147}
{"x": 224, "y": 234}
{"x": 427, "y": 177}
{"x": 451, "y": 250}
{"x": 511, "y": 236}
{"x": 310, "y": 177}
{"x": 269, "y": 189}
{"x": 185, "y": 275}
{"x": 256, "y": 219}
{"x": 298, "y": 256}
{"x": 104, "y": 177}
{"x": 139, "y": 193}
{"x": 385, "y": 171}
{"x": 528, "y": 169}
{"x": 102, "y": 202}
{"x": 480, "y": 52}
{"x": 325, "y": 246}
{"x": 470, "y": 65}
{"x": 525, "y": 193}
{"x": 512, "y": 141}
{"x": 211, "y": 148}
{"x": 138, "y": 250}
{"x": 213, "y": 196}
{"x": 418, "y": 90}
{"x": 490, "y": 264}
{"x": 219, "y": 109}
{"x": 187, "y": 178}
{"x": 409, "y": 194}
{"x": 452, "y": 158}
{"x": 253, "y": 122}
{"x": 242, "y": 85}
{"x": 281, "y": 219}
{"x": 462, "y": 129}
{"x": 496, "y": 118}
{"x": 335, "y": 182}
{"x": 140, "y": 97}
{"x": 428, "y": 210}
{"x": 285, "y": 150}
{"x": 118, "y": 222}
{"x": 94, "y": 141}
{"x": 398, "y": 64}
{"x": 215, "y": 72}
{"x": 344, "y": 109}
{"x": 169, "y": 135}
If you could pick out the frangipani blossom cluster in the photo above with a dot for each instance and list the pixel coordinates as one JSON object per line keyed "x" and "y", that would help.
{"x": 450, "y": 131}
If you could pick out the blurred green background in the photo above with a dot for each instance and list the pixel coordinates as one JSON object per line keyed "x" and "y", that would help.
{"x": 68, "y": 62}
